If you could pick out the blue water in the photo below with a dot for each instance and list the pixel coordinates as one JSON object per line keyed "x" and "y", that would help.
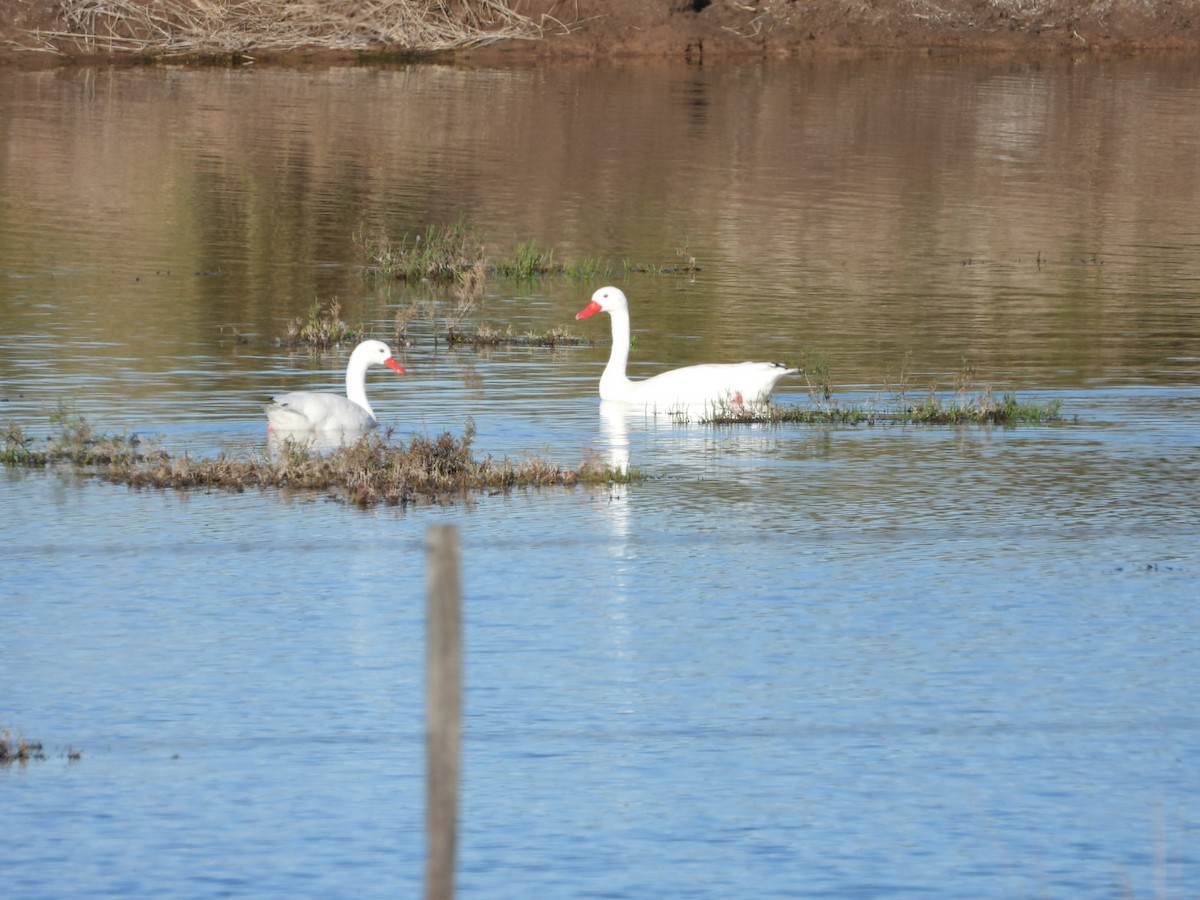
{"x": 775, "y": 671}
{"x": 873, "y": 661}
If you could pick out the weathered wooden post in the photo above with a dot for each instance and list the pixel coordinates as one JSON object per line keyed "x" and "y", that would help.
{"x": 443, "y": 708}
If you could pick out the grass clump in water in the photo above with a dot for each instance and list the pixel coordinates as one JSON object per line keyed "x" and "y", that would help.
{"x": 527, "y": 262}
{"x": 372, "y": 470}
{"x": 962, "y": 405}
{"x": 984, "y": 410}
{"x": 19, "y": 750}
{"x": 440, "y": 254}
{"x": 588, "y": 269}
{"x": 486, "y": 335}
{"x": 981, "y": 409}
{"x": 75, "y": 442}
{"x": 464, "y": 295}
{"x": 322, "y": 328}
{"x": 451, "y": 253}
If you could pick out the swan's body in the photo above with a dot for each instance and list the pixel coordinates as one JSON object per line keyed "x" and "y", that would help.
{"x": 709, "y": 384}
{"x": 316, "y": 411}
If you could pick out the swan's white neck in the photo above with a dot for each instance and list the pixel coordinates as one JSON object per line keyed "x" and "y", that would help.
{"x": 356, "y": 384}
{"x": 614, "y": 381}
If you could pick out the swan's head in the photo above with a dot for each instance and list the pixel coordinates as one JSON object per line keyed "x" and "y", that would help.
{"x": 606, "y": 300}
{"x": 375, "y": 353}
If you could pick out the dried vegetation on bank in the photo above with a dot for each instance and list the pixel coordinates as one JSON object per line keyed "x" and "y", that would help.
{"x": 693, "y": 32}
{"x": 172, "y": 28}
{"x": 369, "y": 471}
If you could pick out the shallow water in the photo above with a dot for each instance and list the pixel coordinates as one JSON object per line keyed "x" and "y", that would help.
{"x": 797, "y": 661}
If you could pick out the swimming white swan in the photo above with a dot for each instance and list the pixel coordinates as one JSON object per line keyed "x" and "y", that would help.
{"x": 318, "y": 411}
{"x": 709, "y": 384}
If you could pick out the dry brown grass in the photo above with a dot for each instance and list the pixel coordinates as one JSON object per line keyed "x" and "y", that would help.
{"x": 243, "y": 27}
{"x": 18, "y": 750}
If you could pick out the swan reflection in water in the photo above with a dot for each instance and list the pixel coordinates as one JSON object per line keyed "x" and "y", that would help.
{"x": 616, "y": 416}
{"x": 614, "y": 432}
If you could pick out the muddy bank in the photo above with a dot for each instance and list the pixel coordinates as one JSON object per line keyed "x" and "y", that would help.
{"x": 40, "y": 32}
{"x": 702, "y": 30}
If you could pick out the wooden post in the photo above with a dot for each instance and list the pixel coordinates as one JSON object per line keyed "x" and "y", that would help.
{"x": 443, "y": 708}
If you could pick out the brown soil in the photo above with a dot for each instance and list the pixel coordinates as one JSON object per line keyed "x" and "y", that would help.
{"x": 705, "y": 31}
{"x": 702, "y": 31}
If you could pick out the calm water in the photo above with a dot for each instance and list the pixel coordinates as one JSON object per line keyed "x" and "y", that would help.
{"x": 864, "y": 662}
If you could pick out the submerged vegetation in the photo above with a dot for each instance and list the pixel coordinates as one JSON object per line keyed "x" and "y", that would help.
{"x": 439, "y": 254}
{"x": 449, "y": 326}
{"x": 76, "y": 442}
{"x": 526, "y": 262}
{"x": 961, "y": 404}
{"x": 322, "y": 328}
{"x": 19, "y": 750}
{"x": 983, "y": 409}
{"x": 979, "y": 409}
{"x": 486, "y": 335}
{"x": 899, "y": 403}
{"x": 451, "y": 253}
{"x": 370, "y": 471}
{"x": 452, "y": 260}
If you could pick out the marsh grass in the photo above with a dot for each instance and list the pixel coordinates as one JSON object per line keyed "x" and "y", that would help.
{"x": 963, "y": 403}
{"x": 587, "y": 269}
{"x": 527, "y": 262}
{"x": 686, "y": 266}
{"x": 814, "y": 369}
{"x": 439, "y": 254}
{"x": 74, "y": 442}
{"x": 322, "y": 328}
{"x": 370, "y": 471}
{"x": 981, "y": 409}
{"x": 960, "y": 404}
{"x": 442, "y": 313}
{"x": 455, "y": 254}
{"x": 19, "y": 750}
{"x": 486, "y": 335}
{"x": 404, "y": 319}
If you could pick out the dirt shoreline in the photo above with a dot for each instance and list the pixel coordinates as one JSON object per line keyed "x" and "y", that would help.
{"x": 706, "y": 31}
{"x": 702, "y": 31}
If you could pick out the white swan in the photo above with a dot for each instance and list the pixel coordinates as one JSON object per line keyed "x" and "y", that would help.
{"x": 709, "y": 384}
{"x": 314, "y": 411}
